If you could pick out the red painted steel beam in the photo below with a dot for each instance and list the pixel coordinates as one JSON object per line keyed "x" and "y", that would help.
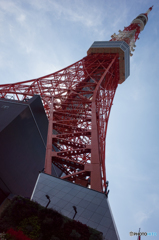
{"x": 77, "y": 101}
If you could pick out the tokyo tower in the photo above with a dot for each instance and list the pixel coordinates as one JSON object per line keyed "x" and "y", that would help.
{"x": 77, "y": 101}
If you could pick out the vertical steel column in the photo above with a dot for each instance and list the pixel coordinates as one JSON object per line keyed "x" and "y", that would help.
{"x": 96, "y": 161}
{"x": 48, "y": 156}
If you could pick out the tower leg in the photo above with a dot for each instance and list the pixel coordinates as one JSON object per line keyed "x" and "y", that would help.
{"x": 95, "y": 157}
{"x": 48, "y": 156}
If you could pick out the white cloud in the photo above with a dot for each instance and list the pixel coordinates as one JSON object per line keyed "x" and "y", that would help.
{"x": 21, "y": 18}
{"x": 141, "y": 217}
{"x": 83, "y": 12}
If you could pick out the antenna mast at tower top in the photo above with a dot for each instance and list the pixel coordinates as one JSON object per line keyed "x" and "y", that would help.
{"x": 130, "y": 34}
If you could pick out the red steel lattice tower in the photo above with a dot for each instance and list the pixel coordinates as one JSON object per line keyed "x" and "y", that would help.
{"x": 77, "y": 101}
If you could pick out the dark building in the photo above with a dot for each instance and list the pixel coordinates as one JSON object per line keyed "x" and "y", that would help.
{"x": 23, "y": 136}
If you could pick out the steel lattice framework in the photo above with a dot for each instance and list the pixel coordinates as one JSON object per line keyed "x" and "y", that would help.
{"x": 77, "y": 101}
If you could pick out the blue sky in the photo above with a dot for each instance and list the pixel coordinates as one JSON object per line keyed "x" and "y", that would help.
{"x": 40, "y": 37}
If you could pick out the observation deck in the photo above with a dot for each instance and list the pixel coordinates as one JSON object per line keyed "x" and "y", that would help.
{"x": 120, "y": 47}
